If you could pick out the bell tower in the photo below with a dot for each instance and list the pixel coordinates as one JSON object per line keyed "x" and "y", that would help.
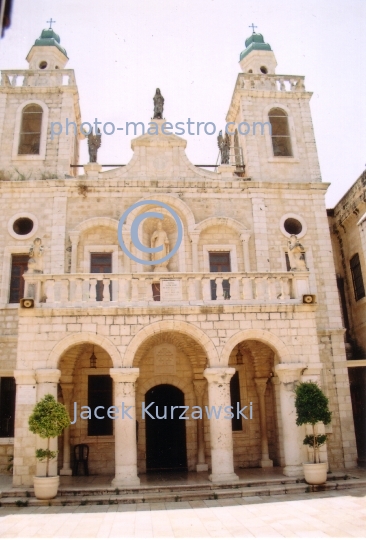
{"x": 272, "y": 116}
{"x": 40, "y": 114}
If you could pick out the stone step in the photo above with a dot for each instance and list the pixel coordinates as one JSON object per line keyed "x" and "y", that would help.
{"x": 181, "y": 494}
{"x": 69, "y": 491}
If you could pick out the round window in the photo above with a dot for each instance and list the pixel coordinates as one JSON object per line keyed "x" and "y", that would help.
{"x": 292, "y": 226}
{"x": 43, "y": 65}
{"x": 23, "y": 226}
{"x": 264, "y": 69}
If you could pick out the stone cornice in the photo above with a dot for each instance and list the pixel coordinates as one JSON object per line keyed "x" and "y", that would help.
{"x": 64, "y": 187}
{"x": 166, "y": 310}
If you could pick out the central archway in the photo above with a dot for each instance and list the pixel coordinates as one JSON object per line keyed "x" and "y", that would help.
{"x": 165, "y": 433}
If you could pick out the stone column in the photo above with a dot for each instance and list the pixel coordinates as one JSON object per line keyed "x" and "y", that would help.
{"x": 47, "y": 380}
{"x": 74, "y": 238}
{"x": 244, "y": 237}
{"x": 220, "y": 428}
{"x": 24, "y": 465}
{"x": 67, "y": 389}
{"x": 199, "y": 388}
{"x": 261, "y": 385}
{"x": 125, "y": 427}
{"x": 289, "y": 375}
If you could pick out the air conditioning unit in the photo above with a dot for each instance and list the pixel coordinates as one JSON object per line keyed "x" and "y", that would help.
{"x": 27, "y": 303}
{"x": 308, "y": 298}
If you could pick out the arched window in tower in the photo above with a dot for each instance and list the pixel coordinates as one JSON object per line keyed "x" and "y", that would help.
{"x": 281, "y": 139}
{"x": 30, "y": 130}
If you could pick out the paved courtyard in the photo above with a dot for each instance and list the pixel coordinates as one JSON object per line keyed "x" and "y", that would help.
{"x": 330, "y": 514}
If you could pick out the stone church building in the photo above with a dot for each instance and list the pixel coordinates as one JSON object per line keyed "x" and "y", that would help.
{"x": 245, "y": 308}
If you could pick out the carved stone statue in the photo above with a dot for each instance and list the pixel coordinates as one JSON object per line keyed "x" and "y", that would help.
{"x": 160, "y": 238}
{"x": 296, "y": 254}
{"x": 158, "y": 105}
{"x": 35, "y": 263}
{"x": 94, "y": 142}
{"x": 224, "y": 144}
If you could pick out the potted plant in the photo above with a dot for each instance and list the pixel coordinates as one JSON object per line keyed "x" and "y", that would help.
{"x": 312, "y": 407}
{"x": 48, "y": 420}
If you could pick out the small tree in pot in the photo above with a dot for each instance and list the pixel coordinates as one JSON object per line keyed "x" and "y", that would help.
{"x": 312, "y": 407}
{"x": 48, "y": 420}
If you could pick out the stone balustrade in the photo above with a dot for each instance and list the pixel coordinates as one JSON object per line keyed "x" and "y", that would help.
{"x": 275, "y": 83}
{"x": 190, "y": 288}
{"x": 28, "y": 77}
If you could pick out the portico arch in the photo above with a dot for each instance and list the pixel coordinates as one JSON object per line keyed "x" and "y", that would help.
{"x": 78, "y": 339}
{"x": 172, "y": 326}
{"x": 274, "y": 342}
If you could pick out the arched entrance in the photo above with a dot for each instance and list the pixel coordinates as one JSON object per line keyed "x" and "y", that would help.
{"x": 165, "y": 437}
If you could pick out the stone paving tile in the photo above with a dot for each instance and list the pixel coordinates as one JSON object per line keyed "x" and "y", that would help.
{"x": 157, "y": 506}
{"x": 268, "y": 532}
{"x": 211, "y": 503}
{"x": 306, "y": 517}
{"x": 197, "y": 504}
{"x": 230, "y": 502}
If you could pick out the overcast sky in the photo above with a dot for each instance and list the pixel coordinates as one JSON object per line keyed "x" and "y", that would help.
{"x": 122, "y": 50}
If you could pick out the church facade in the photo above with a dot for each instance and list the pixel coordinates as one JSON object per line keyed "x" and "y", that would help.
{"x": 244, "y": 309}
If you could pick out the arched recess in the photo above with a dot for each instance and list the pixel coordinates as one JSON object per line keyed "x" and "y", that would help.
{"x": 223, "y": 221}
{"x": 234, "y": 239}
{"x": 184, "y": 213}
{"x": 105, "y": 240}
{"x": 17, "y": 128}
{"x": 268, "y": 134}
{"x": 274, "y": 342}
{"x": 186, "y": 387}
{"x": 177, "y": 204}
{"x": 78, "y": 339}
{"x": 172, "y": 326}
{"x": 96, "y": 222}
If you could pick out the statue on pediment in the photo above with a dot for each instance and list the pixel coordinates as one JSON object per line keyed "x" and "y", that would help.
{"x": 158, "y": 105}
{"x": 94, "y": 143}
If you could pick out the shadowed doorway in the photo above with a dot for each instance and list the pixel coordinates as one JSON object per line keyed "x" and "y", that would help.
{"x": 165, "y": 438}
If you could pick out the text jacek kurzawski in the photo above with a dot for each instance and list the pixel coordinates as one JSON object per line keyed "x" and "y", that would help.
{"x": 181, "y": 412}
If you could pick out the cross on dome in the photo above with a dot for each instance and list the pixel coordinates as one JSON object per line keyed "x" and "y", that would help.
{"x": 51, "y": 21}
{"x": 252, "y": 27}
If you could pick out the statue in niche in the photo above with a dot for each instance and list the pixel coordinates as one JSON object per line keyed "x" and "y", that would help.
{"x": 160, "y": 238}
{"x": 94, "y": 142}
{"x": 224, "y": 144}
{"x": 296, "y": 254}
{"x": 35, "y": 263}
{"x": 158, "y": 105}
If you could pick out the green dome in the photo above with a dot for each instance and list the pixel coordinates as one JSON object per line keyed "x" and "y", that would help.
{"x": 49, "y": 38}
{"x": 254, "y": 43}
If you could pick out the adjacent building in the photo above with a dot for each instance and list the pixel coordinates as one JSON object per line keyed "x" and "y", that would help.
{"x": 347, "y": 221}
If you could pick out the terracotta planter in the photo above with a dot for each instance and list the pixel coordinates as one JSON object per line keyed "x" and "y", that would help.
{"x": 46, "y": 487}
{"x": 315, "y": 473}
